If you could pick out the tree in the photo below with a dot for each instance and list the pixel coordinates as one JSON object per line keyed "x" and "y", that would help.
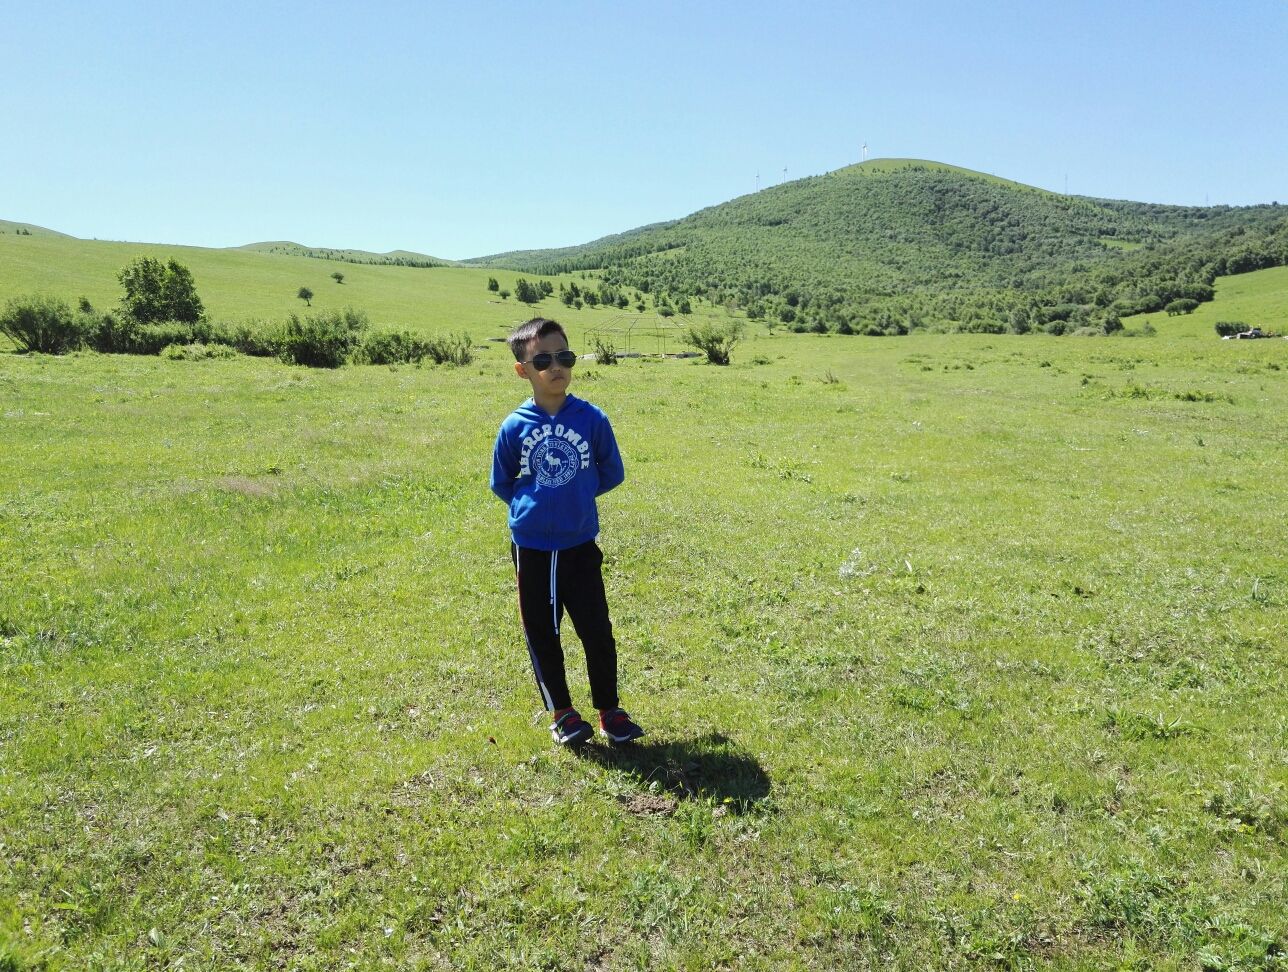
{"x": 505, "y": 294}
{"x": 338, "y": 277}
{"x": 156, "y": 291}
{"x": 305, "y": 295}
{"x": 529, "y": 293}
{"x": 493, "y": 285}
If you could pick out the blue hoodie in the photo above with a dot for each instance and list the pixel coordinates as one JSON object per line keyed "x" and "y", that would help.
{"x": 550, "y": 469}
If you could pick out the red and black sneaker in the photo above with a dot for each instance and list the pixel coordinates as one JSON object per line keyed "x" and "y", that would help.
{"x": 618, "y": 727}
{"x": 570, "y": 729}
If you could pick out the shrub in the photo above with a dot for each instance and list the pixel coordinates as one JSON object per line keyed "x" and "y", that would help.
{"x": 197, "y": 352}
{"x": 153, "y": 338}
{"x": 44, "y": 324}
{"x": 1226, "y": 328}
{"x": 454, "y": 349}
{"x": 392, "y": 347}
{"x": 114, "y": 333}
{"x": 605, "y": 352}
{"x": 1182, "y": 305}
{"x": 717, "y": 341}
{"x": 324, "y": 340}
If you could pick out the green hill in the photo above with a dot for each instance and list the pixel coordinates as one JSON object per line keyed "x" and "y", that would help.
{"x": 28, "y": 229}
{"x": 895, "y": 244}
{"x": 884, "y": 247}
{"x": 238, "y": 284}
{"x": 395, "y": 258}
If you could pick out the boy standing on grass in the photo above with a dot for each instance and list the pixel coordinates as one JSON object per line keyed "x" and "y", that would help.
{"x": 554, "y": 454}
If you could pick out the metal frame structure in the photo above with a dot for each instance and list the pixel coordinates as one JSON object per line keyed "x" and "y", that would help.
{"x": 635, "y": 330}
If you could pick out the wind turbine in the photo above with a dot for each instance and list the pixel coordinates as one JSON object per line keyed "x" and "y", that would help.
{"x": 784, "y": 173}
{"x": 865, "y": 151}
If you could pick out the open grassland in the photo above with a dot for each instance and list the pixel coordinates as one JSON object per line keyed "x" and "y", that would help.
{"x": 1257, "y": 299}
{"x": 953, "y": 652}
{"x": 242, "y": 285}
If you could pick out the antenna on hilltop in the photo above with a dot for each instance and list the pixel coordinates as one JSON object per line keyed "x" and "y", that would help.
{"x": 865, "y": 151}
{"x": 784, "y": 173}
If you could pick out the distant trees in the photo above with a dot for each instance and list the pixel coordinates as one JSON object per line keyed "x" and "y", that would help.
{"x": 338, "y": 277}
{"x": 156, "y": 291}
{"x": 1182, "y": 305}
{"x": 493, "y": 285}
{"x": 529, "y": 293}
{"x": 305, "y": 295}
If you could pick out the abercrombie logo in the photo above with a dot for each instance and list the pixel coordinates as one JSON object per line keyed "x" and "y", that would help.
{"x": 555, "y": 453}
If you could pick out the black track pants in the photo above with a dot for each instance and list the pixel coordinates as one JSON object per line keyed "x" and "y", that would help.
{"x": 549, "y": 581}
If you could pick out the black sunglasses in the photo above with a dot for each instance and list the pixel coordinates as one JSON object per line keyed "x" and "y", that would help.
{"x": 545, "y": 359}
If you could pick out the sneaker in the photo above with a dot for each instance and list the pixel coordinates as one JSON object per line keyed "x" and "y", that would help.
{"x": 570, "y": 729}
{"x": 617, "y": 726}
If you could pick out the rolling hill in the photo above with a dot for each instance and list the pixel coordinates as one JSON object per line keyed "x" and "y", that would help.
{"x": 891, "y": 244}
{"x": 884, "y": 247}
{"x": 394, "y": 258}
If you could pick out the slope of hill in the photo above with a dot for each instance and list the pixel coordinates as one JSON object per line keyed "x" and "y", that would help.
{"x": 394, "y": 258}
{"x": 28, "y": 229}
{"x": 893, "y": 244}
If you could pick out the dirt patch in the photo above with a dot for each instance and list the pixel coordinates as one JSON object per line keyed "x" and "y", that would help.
{"x": 649, "y": 804}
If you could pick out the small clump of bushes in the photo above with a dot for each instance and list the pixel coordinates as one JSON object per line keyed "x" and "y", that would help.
{"x": 325, "y": 339}
{"x": 716, "y": 341}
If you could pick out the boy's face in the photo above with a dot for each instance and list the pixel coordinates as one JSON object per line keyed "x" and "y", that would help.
{"x": 554, "y": 380}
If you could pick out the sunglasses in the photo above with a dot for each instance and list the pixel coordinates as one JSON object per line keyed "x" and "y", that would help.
{"x": 545, "y": 359}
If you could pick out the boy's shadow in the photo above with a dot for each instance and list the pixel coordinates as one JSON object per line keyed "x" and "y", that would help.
{"x": 710, "y": 767}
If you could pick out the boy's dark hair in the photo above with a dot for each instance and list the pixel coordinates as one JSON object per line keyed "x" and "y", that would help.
{"x": 538, "y": 328}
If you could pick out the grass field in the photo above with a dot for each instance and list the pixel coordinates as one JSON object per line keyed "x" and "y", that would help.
{"x": 1258, "y": 299}
{"x": 240, "y": 285}
{"x": 954, "y": 652}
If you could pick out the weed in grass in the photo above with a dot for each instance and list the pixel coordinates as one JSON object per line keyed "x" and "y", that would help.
{"x": 1134, "y": 725}
{"x": 1250, "y": 807}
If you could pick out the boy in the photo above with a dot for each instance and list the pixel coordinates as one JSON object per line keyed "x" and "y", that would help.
{"x": 554, "y": 454}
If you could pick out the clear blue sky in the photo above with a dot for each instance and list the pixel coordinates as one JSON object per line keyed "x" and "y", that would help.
{"x": 461, "y": 130}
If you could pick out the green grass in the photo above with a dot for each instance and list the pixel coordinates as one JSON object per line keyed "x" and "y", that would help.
{"x": 954, "y": 652}
{"x": 1258, "y": 299}
{"x": 238, "y": 285}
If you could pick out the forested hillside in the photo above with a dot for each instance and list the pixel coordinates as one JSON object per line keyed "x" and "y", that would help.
{"x": 892, "y": 245}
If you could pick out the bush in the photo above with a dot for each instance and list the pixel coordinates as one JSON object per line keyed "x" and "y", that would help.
{"x": 324, "y": 340}
{"x": 154, "y": 338}
{"x": 1226, "y": 328}
{"x": 605, "y": 352}
{"x": 114, "y": 333}
{"x": 454, "y": 349}
{"x": 45, "y": 324}
{"x": 1182, "y": 305}
{"x": 392, "y": 347}
{"x": 717, "y": 341}
{"x": 197, "y": 352}
{"x": 257, "y": 338}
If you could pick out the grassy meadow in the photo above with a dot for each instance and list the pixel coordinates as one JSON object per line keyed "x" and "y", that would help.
{"x": 954, "y": 651}
{"x": 241, "y": 285}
